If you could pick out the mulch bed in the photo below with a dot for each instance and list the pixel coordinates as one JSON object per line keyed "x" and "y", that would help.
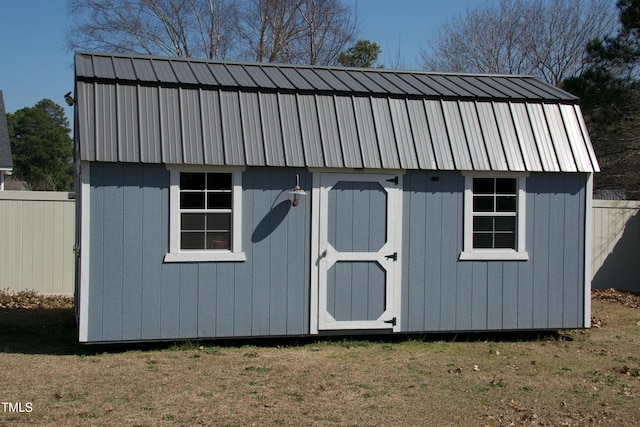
{"x": 625, "y": 298}
{"x": 31, "y": 299}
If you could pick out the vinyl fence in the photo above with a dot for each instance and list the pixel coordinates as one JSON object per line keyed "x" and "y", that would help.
{"x": 37, "y": 230}
{"x": 37, "y": 237}
{"x": 616, "y": 245}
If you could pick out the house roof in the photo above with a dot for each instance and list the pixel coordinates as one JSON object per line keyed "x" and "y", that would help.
{"x": 6, "y": 163}
{"x": 171, "y": 110}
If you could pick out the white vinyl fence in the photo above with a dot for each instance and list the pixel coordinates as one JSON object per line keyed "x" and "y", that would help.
{"x": 37, "y": 236}
{"x": 616, "y": 245}
{"x": 37, "y": 230}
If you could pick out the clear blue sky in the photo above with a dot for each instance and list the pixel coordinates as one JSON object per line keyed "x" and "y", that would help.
{"x": 35, "y": 64}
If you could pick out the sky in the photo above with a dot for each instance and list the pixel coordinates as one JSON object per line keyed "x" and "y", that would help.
{"x": 35, "y": 63}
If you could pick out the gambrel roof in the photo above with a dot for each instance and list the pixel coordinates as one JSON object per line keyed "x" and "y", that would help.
{"x": 185, "y": 111}
{"x": 6, "y": 163}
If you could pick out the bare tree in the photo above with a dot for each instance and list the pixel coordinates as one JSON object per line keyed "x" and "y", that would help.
{"x": 328, "y": 28}
{"x": 295, "y": 31}
{"x": 546, "y": 39}
{"x": 184, "y": 28}
{"x": 266, "y": 28}
{"x": 289, "y": 31}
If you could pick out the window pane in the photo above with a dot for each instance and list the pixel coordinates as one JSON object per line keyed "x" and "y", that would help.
{"x": 192, "y": 240}
{"x": 218, "y": 241}
{"x": 219, "y": 201}
{"x": 218, "y": 181}
{"x": 505, "y": 204}
{"x": 191, "y": 181}
{"x": 483, "y": 203}
{"x": 193, "y": 221}
{"x": 482, "y": 240}
{"x": 483, "y": 185}
{"x": 507, "y": 223}
{"x": 191, "y": 200}
{"x": 483, "y": 223}
{"x": 219, "y": 221}
{"x": 506, "y": 185}
{"x": 505, "y": 240}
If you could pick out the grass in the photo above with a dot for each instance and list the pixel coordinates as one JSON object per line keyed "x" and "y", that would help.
{"x": 569, "y": 378}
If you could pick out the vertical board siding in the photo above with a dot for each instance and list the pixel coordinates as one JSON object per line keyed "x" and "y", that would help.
{"x": 441, "y": 293}
{"x": 132, "y": 247}
{"x": 134, "y": 296}
{"x": 37, "y": 234}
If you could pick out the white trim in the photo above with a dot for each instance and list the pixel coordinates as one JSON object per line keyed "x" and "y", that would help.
{"x": 1, "y": 180}
{"x": 493, "y": 255}
{"x": 176, "y": 254}
{"x": 85, "y": 213}
{"x": 204, "y": 256}
{"x": 468, "y": 252}
{"x": 588, "y": 249}
{"x": 348, "y": 171}
{"x": 323, "y": 255}
{"x": 315, "y": 254}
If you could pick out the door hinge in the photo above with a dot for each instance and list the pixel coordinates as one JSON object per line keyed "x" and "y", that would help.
{"x": 392, "y": 321}
{"x": 394, "y": 180}
{"x": 393, "y": 256}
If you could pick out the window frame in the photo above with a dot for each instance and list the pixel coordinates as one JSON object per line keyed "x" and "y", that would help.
{"x": 471, "y": 253}
{"x": 176, "y": 254}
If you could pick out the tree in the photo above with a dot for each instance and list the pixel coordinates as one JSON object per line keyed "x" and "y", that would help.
{"x": 363, "y": 54}
{"x": 609, "y": 91}
{"x": 289, "y": 31}
{"x": 41, "y": 146}
{"x": 545, "y": 39}
{"x": 266, "y": 28}
{"x": 328, "y": 28}
{"x": 183, "y": 28}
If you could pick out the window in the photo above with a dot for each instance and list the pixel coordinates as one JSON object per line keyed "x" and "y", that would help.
{"x": 494, "y": 215}
{"x": 205, "y": 216}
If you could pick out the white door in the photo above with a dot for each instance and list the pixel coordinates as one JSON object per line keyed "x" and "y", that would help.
{"x": 358, "y": 224}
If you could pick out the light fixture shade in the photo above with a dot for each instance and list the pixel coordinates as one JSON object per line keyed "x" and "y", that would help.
{"x": 296, "y": 192}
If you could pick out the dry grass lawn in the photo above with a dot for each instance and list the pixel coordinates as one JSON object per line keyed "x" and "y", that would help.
{"x": 571, "y": 378}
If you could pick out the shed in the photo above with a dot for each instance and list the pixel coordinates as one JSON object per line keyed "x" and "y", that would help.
{"x": 434, "y": 202}
{"x": 6, "y": 162}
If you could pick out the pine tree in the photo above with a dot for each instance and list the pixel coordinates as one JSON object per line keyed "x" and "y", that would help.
{"x": 41, "y": 146}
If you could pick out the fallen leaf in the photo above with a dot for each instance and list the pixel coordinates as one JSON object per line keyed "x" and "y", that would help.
{"x": 517, "y": 406}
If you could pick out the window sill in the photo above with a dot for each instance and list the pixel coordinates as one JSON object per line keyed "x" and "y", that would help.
{"x": 205, "y": 256}
{"x": 493, "y": 255}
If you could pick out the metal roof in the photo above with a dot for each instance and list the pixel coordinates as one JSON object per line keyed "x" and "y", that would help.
{"x": 172, "y": 110}
{"x": 6, "y": 162}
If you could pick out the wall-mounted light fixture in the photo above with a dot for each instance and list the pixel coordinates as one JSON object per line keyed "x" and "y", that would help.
{"x": 69, "y": 99}
{"x": 297, "y": 192}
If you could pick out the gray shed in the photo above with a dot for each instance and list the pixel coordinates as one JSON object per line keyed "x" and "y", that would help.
{"x": 434, "y": 202}
{"x": 6, "y": 162}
